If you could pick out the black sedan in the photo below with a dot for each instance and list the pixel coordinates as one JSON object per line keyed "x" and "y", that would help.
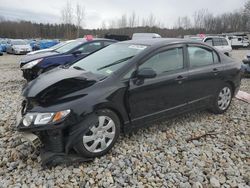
{"x": 125, "y": 86}
{"x": 34, "y": 65}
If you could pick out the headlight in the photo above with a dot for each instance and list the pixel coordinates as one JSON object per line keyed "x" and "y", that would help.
{"x": 44, "y": 118}
{"x": 31, "y": 64}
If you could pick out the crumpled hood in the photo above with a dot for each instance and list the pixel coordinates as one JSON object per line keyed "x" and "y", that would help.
{"x": 58, "y": 83}
{"x": 29, "y": 58}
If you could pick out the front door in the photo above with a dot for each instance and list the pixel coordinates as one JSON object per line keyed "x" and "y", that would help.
{"x": 165, "y": 94}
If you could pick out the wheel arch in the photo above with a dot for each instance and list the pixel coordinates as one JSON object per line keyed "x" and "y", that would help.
{"x": 232, "y": 85}
{"x": 113, "y": 109}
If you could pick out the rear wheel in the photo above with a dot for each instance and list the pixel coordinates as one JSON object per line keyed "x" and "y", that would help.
{"x": 222, "y": 100}
{"x": 100, "y": 137}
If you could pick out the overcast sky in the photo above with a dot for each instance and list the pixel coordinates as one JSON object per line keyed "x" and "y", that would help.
{"x": 166, "y": 11}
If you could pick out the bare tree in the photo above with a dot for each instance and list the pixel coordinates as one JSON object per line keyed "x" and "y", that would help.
{"x": 151, "y": 22}
{"x": 80, "y": 15}
{"x": 67, "y": 18}
{"x": 199, "y": 18}
{"x": 122, "y": 22}
{"x": 132, "y": 20}
{"x": 103, "y": 26}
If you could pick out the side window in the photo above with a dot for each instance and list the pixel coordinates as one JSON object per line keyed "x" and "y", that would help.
{"x": 90, "y": 47}
{"x": 166, "y": 61}
{"x": 200, "y": 56}
{"x": 217, "y": 42}
{"x": 224, "y": 42}
{"x": 209, "y": 41}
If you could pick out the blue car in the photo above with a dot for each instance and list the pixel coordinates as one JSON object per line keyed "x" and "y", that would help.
{"x": 44, "y": 44}
{"x": 3, "y": 44}
{"x": 1, "y": 50}
{"x": 245, "y": 66}
{"x": 34, "y": 65}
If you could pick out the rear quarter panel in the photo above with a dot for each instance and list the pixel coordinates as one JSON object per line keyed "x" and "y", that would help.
{"x": 231, "y": 71}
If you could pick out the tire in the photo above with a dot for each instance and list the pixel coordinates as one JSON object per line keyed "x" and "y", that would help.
{"x": 95, "y": 136}
{"x": 222, "y": 99}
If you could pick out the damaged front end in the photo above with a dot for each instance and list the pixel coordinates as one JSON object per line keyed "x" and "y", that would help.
{"x": 47, "y": 121}
{"x": 52, "y": 133}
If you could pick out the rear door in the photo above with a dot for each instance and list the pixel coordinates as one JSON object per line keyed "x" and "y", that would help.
{"x": 166, "y": 93}
{"x": 205, "y": 74}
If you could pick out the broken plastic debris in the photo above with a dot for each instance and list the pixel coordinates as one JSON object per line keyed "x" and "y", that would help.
{"x": 244, "y": 96}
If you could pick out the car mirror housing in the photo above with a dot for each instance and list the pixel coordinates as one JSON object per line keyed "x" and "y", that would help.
{"x": 246, "y": 61}
{"x": 146, "y": 73}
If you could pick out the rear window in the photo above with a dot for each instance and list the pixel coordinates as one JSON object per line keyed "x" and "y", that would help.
{"x": 217, "y": 42}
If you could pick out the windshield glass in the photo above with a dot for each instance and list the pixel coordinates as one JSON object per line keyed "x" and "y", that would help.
{"x": 109, "y": 59}
{"x": 18, "y": 42}
{"x": 69, "y": 46}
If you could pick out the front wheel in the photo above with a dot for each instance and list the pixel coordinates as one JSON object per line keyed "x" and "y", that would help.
{"x": 100, "y": 137}
{"x": 222, "y": 100}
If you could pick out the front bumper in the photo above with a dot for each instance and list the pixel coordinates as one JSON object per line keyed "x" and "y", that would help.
{"x": 21, "y": 51}
{"x": 54, "y": 141}
{"x": 31, "y": 74}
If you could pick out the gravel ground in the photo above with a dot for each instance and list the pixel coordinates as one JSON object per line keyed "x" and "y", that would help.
{"x": 159, "y": 156}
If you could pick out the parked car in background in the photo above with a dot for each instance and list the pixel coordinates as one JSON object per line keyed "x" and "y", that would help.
{"x": 18, "y": 46}
{"x": 139, "y": 36}
{"x": 51, "y": 48}
{"x": 124, "y": 86}
{"x": 220, "y": 43}
{"x": 245, "y": 66}
{"x": 33, "y": 65}
{"x": 1, "y": 50}
{"x": 3, "y": 44}
{"x": 44, "y": 44}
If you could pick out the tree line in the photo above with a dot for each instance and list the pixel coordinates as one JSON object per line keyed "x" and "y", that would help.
{"x": 73, "y": 19}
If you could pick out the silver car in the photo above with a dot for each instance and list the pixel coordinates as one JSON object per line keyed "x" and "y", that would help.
{"x": 18, "y": 46}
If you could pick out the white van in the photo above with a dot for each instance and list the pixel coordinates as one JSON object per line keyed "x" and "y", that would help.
{"x": 145, "y": 36}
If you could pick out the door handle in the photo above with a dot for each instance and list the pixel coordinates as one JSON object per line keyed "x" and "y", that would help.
{"x": 180, "y": 78}
{"x": 215, "y": 71}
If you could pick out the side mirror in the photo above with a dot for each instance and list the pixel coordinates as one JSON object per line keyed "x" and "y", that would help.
{"x": 146, "y": 73}
{"x": 78, "y": 52}
{"x": 246, "y": 61}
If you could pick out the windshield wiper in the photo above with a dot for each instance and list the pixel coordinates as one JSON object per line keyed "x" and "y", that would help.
{"x": 78, "y": 68}
{"x": 115, "y": 63}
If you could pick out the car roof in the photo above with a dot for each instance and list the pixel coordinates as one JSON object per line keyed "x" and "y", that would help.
{"x": 159, "y": 41}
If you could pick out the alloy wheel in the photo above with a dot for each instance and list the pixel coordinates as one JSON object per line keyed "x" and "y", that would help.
{"x": 100, "y": 136}
{"x": 224, "y": 98}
